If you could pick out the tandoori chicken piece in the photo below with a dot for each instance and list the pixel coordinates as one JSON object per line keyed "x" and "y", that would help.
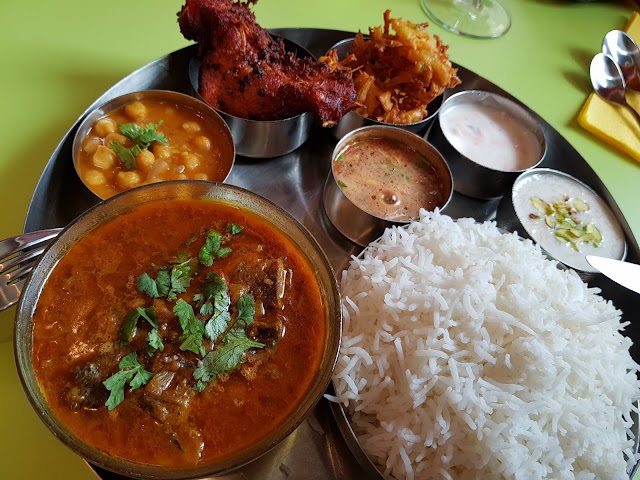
{"x": 247, "y": 73}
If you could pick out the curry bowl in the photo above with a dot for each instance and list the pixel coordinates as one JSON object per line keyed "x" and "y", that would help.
{"x": 488, "y": 141}
{"x": 151, "y": 136}
{"x": 382, "y": 176}
{"x": 353, "y": 120}
{"x": 262, "y": 138}
{"x": 178, "y": 379}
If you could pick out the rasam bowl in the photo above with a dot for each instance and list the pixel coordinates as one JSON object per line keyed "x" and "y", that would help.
{"x": 382, "y": 176}
{"x": 138, "y": 198}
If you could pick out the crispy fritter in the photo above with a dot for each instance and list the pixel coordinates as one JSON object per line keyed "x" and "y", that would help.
{"x": 399, "y": 70}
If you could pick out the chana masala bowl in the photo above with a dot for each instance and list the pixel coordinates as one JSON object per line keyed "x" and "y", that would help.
{"x": 148, "y": 137}
{"x": 178, "y": 330}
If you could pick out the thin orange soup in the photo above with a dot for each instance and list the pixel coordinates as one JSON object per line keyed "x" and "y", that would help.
{"x": 179, "y": 333}
{"x": 388, "y": 179}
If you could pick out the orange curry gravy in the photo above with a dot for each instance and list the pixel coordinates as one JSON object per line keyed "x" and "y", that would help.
{"x": 77, "y": 328}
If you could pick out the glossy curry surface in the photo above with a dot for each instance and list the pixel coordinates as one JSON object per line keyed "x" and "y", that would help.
{"x": 78, "y": 328}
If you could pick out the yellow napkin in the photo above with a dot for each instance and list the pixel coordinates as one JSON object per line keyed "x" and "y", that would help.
{"x": 613, "y": 123}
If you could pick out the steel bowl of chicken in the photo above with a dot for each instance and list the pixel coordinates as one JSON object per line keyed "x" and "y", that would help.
{"x": 178, "y": 330}
{"x": 268, "y": 89}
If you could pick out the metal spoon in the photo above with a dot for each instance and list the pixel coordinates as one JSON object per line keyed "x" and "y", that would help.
{"x": 608, "y": 82}
{"x": 624, "y": 51}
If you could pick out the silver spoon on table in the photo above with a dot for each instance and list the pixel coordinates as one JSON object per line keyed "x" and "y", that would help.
{"x": 608, "y": 82}
{"x": 624, "y": 51}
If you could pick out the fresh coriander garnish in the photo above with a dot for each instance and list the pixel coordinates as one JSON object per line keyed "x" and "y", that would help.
{"x": 235, "y": 229}
{"x": 229, "y": 341}
{"x": 126, "y": 155}
{"x": 181, "y": 275}
{"x": 341, "y": 184}
{"x": 562, "y": 218}
{"x": 131, "y": 372}
{"x": 130, "y": 324}
{"x": 168, "y": 283}
{"x": 246, "y": 311}
{"x": 211, "y": 249}
{"x": 143, "y": 136}
{"x": 192, "y": 328}
{"x": 154, "y": 342}
{"x": 154, "y": 288}
{"x": 214, "y": 301}
{"x": 225, "y": 358}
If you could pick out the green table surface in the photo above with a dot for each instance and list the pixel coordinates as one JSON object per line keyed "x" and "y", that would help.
{"x": 58, "y": 57}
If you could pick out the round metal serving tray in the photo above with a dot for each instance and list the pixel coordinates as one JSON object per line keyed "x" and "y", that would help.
{"x": 316, "y": 450}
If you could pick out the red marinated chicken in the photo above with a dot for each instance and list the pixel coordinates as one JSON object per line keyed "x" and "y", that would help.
{"x": 246, "y": 73}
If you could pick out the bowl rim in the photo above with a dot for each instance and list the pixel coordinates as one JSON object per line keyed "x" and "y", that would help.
{"x": 112, "y": 104}
{"x": 126, "y": 201}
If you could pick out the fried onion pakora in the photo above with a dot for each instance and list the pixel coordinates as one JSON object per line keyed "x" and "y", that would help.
{"x": 398, "y": 74}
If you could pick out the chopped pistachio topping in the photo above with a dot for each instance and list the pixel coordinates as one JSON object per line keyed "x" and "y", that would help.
{"x": 562, "y": 218}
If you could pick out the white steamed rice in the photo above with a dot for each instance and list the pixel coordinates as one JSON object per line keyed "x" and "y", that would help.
{"x": 466, "y": 354}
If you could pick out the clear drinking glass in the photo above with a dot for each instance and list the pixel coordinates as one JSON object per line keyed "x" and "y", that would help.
{"x": 473, "y": 18}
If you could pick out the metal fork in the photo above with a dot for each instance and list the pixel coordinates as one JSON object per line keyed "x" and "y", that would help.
{"x": 18, "y": 256}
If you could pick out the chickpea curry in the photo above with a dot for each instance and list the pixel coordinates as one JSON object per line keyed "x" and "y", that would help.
{"x": 151, "y": 140}
{"x": 182, "y": 346}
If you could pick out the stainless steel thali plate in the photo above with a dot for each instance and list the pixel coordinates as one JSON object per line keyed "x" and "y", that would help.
{"x": 316, "y": 450}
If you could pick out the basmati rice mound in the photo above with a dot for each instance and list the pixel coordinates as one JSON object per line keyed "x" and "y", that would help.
{"x": 467, "y": 354}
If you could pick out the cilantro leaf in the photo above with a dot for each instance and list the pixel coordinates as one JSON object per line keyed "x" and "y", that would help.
{"x": 115, "y": 384}
{"x": 211, "y": 249}
{"x": 180, "y": 278}
{"x": 168, "y": 283}
{"x": 192, "y": 328}
{"x": 214, "y": 301}
{"x": 154, "y": 288}
{"x": 126, "y": 155}
{"x": 130, "y": 324}
{"x": 225, "y": 358}
{"x": 131, "y": 372}
{"x": 217, "y": 324}
{"x": 140, "y": 378}
{"x": 143, "y": 136}
{"x": 154, "y": 341}
{"x": 246, "y": 311}
{"x": 235, "y": 229}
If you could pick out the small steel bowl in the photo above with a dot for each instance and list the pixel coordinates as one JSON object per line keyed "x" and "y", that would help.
{"x": 262, "y": 138}
{"x": 201, "y": 109}
{"x": 514, "y": 212}
{"x": 353, "y": 120}
{"x": 353, "y": 222}
{"x": 108, "y": 210}
{"x": 474, "y": 179}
